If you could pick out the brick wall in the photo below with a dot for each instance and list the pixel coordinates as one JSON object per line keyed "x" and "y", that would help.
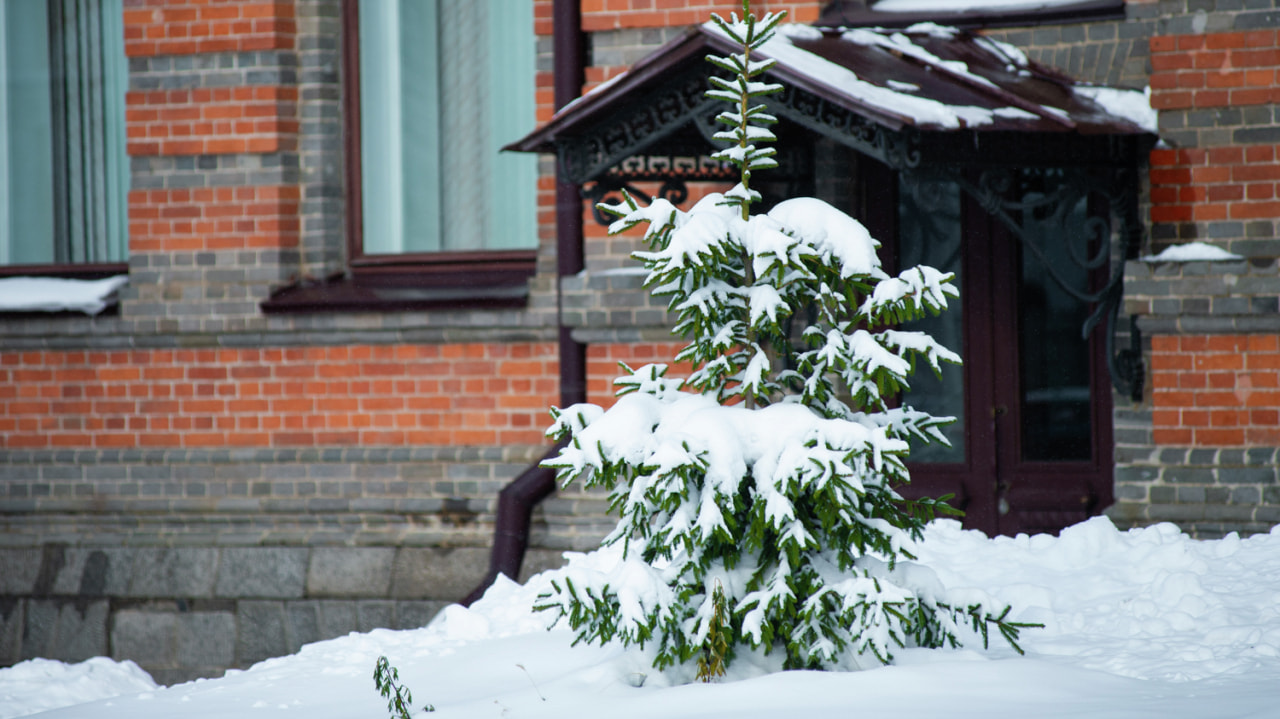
{"x": 213, "y": 121}
{"x": 185, "y": 27}
{"x": 1229, "y": 69}
{"x": 1226, "y": 174}
{"x": 1216, "y": 390}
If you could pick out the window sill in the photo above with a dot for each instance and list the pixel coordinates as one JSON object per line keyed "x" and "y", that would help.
{"x": 489, "y": 280}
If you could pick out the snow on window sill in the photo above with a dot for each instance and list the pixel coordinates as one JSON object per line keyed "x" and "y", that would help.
{"x": 24, "y": 294}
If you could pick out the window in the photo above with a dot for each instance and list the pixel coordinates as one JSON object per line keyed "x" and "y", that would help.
{"x": 437, "y": 217}
{"x": 64, "y": 175}
{"x": 443, "y": 86}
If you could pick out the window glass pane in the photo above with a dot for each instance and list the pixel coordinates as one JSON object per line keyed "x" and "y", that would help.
{"x": 27, "y": 129}
{"x": 929, "y": 233}
{"x": 514, "y": 177}
{"x": 1056, "y": 419}
{"x": 444, "y": 85}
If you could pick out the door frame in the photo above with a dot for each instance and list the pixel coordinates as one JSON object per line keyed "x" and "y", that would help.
{"x": 1000, "y": 492}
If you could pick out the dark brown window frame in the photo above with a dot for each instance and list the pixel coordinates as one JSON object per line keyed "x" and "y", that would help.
{"x": 860, "y": 13}
{"x": 405, "y": 281}
{"x": 78, "y": 271}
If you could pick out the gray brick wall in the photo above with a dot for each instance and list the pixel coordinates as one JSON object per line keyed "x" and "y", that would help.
{"x": 426, "y": 496}
{"x": 1204, "y": 297}
{"x": 1207, "y": 492}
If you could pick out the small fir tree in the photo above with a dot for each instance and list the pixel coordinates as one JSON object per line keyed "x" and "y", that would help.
{"x": 757, "y": 496}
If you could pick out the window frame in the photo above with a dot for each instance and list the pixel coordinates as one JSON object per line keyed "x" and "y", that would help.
{"x": 76, "y": 270}
{"x": 401, "y": 281}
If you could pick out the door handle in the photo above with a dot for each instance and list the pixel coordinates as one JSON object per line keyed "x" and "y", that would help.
{"x": 999, "y": 411}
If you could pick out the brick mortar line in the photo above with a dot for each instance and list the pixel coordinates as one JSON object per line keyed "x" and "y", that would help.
{"x": 223, "y": 69}
{"x": 314, "y": 455}
{"x": 122, "y": 336}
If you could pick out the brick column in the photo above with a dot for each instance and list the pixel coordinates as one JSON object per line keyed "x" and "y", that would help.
{"x": 213, "y": 126}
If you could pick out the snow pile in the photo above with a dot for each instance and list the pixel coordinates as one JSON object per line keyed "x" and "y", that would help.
{"x": 54, "y": 294}
{"x": 1148, "y": 603}
{"x": 1193, "y": 252}
{"x": 1145, "y": 623}
{"x": 39, "y": 685}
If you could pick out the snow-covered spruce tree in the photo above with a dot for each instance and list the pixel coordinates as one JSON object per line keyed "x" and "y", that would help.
{"x": 757, "y": 496}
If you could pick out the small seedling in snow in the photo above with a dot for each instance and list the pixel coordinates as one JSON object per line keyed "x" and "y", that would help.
{"x": 531, "y": 681}
{"x": 399, "y": 699}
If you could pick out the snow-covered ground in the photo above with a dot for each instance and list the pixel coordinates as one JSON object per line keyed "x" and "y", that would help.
{"x": 1145, "y": 623}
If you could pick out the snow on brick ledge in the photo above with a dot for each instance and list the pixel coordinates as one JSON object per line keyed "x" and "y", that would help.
{"x": 1193, "y": 252}
{"x": 55, "y": 294}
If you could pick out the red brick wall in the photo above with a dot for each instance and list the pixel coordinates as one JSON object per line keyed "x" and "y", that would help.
{"x": 185, "y": 27}
{"x": 212, "y": 121}
{"x": 211, "y": 219}
{"x": 1215, "y": 70}
{"x": 614, "y": 14}
{"x": 455, "y": 394}
{"x": 1216, "y": 390}
{"x": 1219, "y": 183}
{"x": 1232, "y": 182}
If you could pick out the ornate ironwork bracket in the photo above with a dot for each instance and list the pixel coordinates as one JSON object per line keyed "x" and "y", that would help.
{"x": 1062, "y": 201}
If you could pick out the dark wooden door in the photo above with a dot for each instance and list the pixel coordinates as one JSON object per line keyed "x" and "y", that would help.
{"x": 1031, "y": 448}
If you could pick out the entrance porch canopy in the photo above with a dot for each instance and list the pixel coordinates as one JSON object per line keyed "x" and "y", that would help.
{"x": 900, "y": 96}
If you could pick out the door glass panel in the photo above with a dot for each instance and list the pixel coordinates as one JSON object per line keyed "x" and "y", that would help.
{"x": 929, "y": 233}
{"x": 1057, "y": 424}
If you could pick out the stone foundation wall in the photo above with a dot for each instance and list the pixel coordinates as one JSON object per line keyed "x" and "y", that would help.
{"x": 188, "y": 612}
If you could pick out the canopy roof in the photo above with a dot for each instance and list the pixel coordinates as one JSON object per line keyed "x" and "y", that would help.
{"x": 923, "y": 79}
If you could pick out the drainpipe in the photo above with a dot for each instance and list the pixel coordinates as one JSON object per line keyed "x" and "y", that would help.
{"x": 517, "y": 500}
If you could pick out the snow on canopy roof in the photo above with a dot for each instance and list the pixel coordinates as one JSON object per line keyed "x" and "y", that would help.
{"x": 967, "y": 13}
{"x": 927, "y": 76}
{"x": 970, "y": 5}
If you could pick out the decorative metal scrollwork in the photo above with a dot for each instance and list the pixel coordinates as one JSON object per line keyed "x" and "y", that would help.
{"x": 631, "y": 131}
{"x": 897, "y": 149}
